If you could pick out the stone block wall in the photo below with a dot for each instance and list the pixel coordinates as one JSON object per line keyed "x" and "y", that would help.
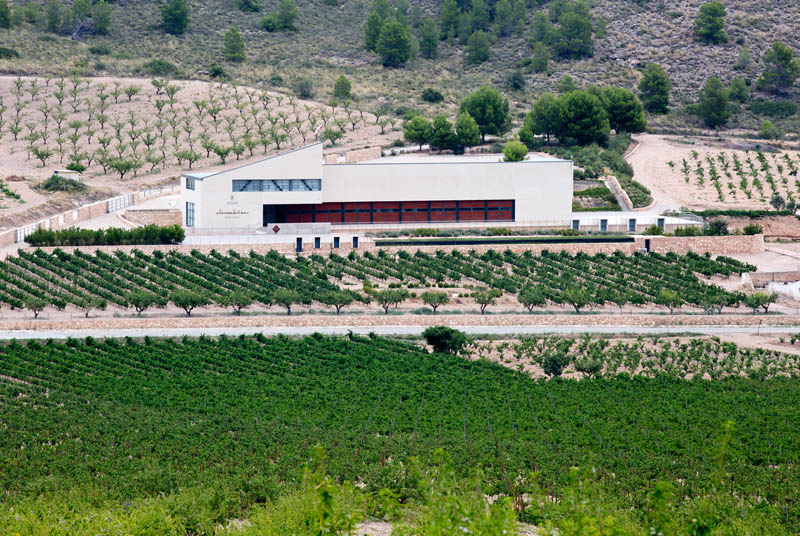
{"x": 716, "y": 245}
{"x": 162, "y": 217}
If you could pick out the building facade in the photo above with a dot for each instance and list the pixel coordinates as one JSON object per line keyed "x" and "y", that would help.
{"x": 297, "y": 188}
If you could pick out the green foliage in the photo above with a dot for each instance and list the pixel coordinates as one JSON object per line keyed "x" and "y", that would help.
{"x": 582, "y": 118}
{"x": 141, "y": 300}
{"x": 432, "y": 95}
{"x": 53, "y": 15}
{"x": 468, "y": 132}
{"x": 285, "y": 297}
{"x": 532, "y": 296}
{"x": 773, "y": 108}
{"x": 341, "y": 88}
{"x": 752, "y": 229}
{"x": 101, "y": 18}
{"x": 249, "y": 6}
{"x": 159, "y": 67}
{"x": 237, "y": 300}
{"x": 713, "y": 106}
{"x": 149, "y": 234}
{"x": 540, "y": 59}
{"x": 442, "y": 135}
{"x": 514, "y": 151}
{"x": 395, "y": 44}
{"x": 485, "y": 297}
{"x": 189, "y": 300}
{"x": 577, "y": 297}
{"x": 337, "y": 299}
{"x": 625, "y": 112}
{"x": 304, "y": 88}
{"x": 417, "y": 130}
{"x": 233, "y": 45}
{"x": 175, "y": 16}
{"x": 445, "y": 340}
{"x": 391, "y": 297}
{"x": 566, "y": 84}
{"x": 434, "y": 299}
{"x": 769, "y": 131}
{"x": 709, "y": 26}
{"x": 57, "y": 183}
{"x": 489, "y": 110}
{"x": 574, "y": 36}
{"x": 760, "y": 300}
{"x": 5, "y": 15}
{"x": 8, "y": 53}
{"x": 716, "y": 227}
{"x": 781, "y": 69}
{"x": 477, "y": 48}
{"x": 654, "y": 88}
{"x": 429, "y": 39}
{"x": 737, "y": 90}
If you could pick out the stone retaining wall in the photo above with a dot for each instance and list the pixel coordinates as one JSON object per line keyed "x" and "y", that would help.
{"x": 678, "y": 322}
{"x": 716, "y": 245}
{"x": 165, "y": 216}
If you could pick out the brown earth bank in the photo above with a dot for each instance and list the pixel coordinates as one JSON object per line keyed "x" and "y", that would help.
{"x": 774, "y": 226}
{"x": 329, "y": 321}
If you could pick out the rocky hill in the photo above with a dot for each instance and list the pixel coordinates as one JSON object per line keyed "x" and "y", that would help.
{"x": 330, "y": 40}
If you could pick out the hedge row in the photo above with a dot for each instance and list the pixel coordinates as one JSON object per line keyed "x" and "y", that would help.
{"x": 149, "y": 234}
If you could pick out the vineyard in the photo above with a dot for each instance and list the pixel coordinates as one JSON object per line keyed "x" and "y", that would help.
{"x": 118, "y": 419}
{"x": 80, "y": 279}
{"x": 743, "y": 176}
{"x": 126, "y": 128}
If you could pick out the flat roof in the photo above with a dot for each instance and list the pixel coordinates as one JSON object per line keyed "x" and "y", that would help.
{"x": 424, "y": 158}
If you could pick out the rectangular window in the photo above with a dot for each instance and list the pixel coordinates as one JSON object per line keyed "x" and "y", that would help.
{"x": 317, "y": 242}
{"x": 355, "y": 242}
{"x": 190, "y": 183}
{"x": 576, "y": 225}
{"x": 661, "y": 223}
{"x": 631, "y": 225}
{"x": 603, "y": 226}
{"x": 189, "y": 214}
{"x": 335, "y": 242}
{"x": 276, "y": 185}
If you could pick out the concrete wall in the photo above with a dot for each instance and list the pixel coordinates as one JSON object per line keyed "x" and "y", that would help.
{"x": 542, "y": 189}
{"x": 218, "y": 206}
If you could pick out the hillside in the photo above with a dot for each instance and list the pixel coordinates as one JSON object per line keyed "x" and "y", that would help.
{"x": 330, "y": 40}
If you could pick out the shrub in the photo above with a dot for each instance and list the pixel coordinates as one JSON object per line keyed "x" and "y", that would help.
{"x": 57, "y": 183}
{"x": 276, "y": 80}
{"x": 776, "y": 108}
{"x": 424, "y": 232}
{"x": 686, "y": 231}
{"x": 432, "y": 95}
{"x": 8, "y": 53}
{"x": 158, "y": 67}
{"x": 716, "y": 227}
{"x": 249, "y": 6}
{"x": 653, "y": 230}
{"x": 304, "y": 88}
{"x": 445, "y": 340}
{"x": 100, "y": 50}
{"x": 149, "y": 234}
{"x": 752, "y": 229}
{"x": 515, "y": 151}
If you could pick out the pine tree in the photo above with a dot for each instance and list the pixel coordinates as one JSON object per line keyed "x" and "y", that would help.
{"x": 5, "y": 15}
{"x": 713, "y": 105}
{"x": 479, "y": 16}
{"x": 477, "y": 48}
{"x": 233, "y": 46}
{"x": 429, "y": 39}
{"x": 395, "y": 44}
{"x": 175, "y": 16}
{"x": 654, "y": 89}
{"x": 101, "y": 18}
{"x": 503, "y": 18}
{"x": 449, "y": 19}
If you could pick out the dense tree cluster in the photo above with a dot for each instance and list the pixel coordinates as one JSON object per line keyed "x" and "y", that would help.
{"x": 282, "y": 20}
{"x": 582, "y": 117}
{"x": 387, "y": 32}
{"x": 709, "y": 26}
{"x": 566, "y": 28}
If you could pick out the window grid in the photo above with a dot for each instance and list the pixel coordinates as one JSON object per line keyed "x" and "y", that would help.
{"x": 190, "y": 183}
{"x": 189, "y": 214}
{"x": 402, "y": 212}
{"x": 277, "y": 185}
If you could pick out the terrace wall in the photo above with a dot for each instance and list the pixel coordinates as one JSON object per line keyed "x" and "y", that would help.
{"x": 715, "y": 245}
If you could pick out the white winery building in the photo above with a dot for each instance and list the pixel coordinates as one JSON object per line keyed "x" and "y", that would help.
{"x": 295, "y": 188}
